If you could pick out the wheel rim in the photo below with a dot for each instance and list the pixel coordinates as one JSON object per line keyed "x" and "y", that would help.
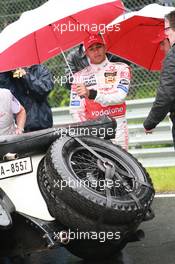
{"x": 85, "y": 168}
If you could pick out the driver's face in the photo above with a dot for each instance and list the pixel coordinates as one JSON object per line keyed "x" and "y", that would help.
{"x": 96, "y": 53}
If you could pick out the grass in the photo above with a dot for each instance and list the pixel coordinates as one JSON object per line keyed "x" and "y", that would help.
{"x": 163, "y": 178}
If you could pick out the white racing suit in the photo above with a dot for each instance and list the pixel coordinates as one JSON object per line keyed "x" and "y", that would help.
{"x": 110, "y": 84}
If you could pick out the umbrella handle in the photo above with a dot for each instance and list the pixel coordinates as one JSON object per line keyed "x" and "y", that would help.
{"x": 67, "y": 63}
{"x": 69, "y": 67}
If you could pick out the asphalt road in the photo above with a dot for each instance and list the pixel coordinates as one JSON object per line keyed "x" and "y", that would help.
{"x": 158, "y": 246}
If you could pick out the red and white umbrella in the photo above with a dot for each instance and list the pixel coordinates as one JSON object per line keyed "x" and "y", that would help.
{"x": 134, "y": 39}
{"x": 54, "y": 27}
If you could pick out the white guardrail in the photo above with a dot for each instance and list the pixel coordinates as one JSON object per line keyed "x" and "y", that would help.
{"x": 152, "y": 150}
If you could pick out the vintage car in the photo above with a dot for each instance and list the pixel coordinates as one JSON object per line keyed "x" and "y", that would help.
{"x": 70, "y": 186}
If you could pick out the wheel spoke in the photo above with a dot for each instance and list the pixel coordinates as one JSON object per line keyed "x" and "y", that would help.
{"x": 84, "y": 163}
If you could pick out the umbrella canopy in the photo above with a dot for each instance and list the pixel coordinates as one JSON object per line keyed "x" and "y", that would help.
{"x": 54, "y": 27}
{"x": 134, "y": 39}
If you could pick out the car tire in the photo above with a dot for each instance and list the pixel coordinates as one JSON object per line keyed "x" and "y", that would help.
{"x": 68, "y": 162}
{"x": 88, "y": 249}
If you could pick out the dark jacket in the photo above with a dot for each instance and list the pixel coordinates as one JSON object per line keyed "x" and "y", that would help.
{"x": 77, "y": 61}
{"x": 165, "y": 98}
{"x": 32, "y": 91}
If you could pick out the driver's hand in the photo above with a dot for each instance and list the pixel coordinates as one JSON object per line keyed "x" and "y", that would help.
{"x": 18, "y": 73}
{"x": 81, "y": 90}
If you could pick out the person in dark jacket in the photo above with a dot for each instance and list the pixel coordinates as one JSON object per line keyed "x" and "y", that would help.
{"x": 165, "y": 98}
{"x": 31, "y": 87}
{"x": 77, "y": 60}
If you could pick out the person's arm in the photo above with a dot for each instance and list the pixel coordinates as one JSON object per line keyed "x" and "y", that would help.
{"x": 165, "y": 96}
{"x": 38, "y": 79}
{"x": 20, "y": 113}
{"x": 20, "y": 120}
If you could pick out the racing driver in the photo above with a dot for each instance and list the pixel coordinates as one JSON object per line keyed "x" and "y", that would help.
{"x": 101, "y": 88}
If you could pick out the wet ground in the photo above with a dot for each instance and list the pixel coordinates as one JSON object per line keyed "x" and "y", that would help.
{"x": 158, "y": 246}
